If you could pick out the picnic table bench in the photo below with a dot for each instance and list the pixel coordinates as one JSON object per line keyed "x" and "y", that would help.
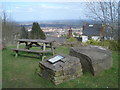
{"x": 29, "y": 43}
{"x": 41, "y": 53}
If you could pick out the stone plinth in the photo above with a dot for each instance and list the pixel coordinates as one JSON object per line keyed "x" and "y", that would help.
{"x": 61, "y": 71}
{"x": 93, "y": 59}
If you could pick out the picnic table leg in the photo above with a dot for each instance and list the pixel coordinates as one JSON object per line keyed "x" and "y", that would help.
{"x": 27, "y": 46}
{"x": 43, "y": 56}
{"x": 16, "y": 54}
{"x": 44, "y": 46}
{"x": 18, "y": 45}
{"x": 52, "y": 49}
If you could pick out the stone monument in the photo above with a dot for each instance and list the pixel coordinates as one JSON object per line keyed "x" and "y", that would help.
{"x": 93, "y": 59}
{"x": 63, "y": 70}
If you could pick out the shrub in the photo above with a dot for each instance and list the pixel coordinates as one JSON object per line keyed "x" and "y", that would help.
{"x": 72, "y": 39}
{"x": 111, "y": 44}
{"x": 104, "y": 43}
{"x": 93, "y": 42}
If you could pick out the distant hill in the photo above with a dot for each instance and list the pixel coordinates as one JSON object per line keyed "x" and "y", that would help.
{"x": 60, "y": 23}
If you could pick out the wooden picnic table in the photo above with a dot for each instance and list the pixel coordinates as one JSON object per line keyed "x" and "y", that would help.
{"x": 29, "y": 43}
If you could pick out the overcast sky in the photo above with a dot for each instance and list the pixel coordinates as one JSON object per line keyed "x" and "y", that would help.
{"x": 30, "y": 11}
{"x": 34, "y": 10}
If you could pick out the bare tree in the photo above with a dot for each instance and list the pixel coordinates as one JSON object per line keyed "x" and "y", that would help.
{"x": 9, "y": 29}
{"x": 119, "y": 21}
{"x": 106, "y": 12}
{"x": 4, "y": 16}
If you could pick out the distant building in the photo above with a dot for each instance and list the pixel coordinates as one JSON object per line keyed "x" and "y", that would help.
{"x": 70, "y": 33}
{"x": 95, "y": 31}
{"x": 56, "y": 39}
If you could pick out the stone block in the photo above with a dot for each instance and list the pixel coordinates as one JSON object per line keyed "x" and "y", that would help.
{"x": 66, "y": 69}
{"x": 93, "y": 59}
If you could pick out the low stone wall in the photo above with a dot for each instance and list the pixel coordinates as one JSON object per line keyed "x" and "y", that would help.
{"x": 94, "y": 59}
{"x": 61, "y": 71}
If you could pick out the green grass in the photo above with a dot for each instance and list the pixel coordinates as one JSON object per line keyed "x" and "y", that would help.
{"x": 20, "y": 72}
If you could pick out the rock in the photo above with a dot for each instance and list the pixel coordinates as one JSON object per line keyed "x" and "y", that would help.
{"x": 66, "y": 69}
{"x": 93, "y": 59}
{"x": 73, "y": 44}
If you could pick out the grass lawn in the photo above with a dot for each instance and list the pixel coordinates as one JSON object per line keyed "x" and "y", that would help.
{"x": 20, "y": 72}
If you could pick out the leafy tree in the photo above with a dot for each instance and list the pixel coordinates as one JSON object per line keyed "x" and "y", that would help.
{"x": 24, "y": 33}
{"x": 37, "y": 32}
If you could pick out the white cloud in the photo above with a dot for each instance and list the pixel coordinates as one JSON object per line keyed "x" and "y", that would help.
{"x": 57, "y": 6}
{"x": 9, "y": 11}
{"x": 17, "y": 7}
{"x": 30, "y": 9}
{"x": 49, "y": 6}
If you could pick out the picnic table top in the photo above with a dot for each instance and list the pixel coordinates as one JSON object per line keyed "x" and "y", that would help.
{"x": 35, "y": 40}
